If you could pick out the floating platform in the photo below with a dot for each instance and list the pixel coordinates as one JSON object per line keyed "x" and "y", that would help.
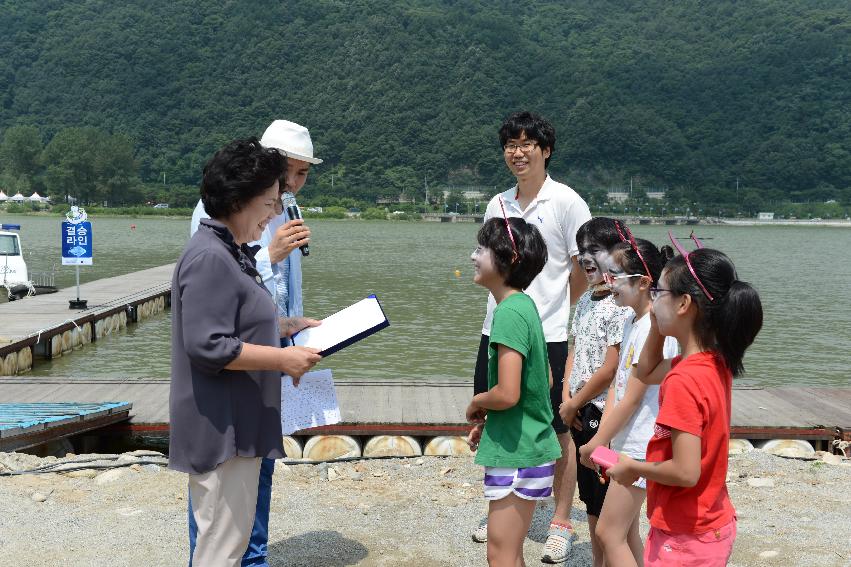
{"x": 43, "y": 326}
{"x": 25, "y": 425}
{"x": 433, "y": 408}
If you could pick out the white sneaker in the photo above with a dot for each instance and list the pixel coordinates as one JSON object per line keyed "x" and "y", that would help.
{"x": 480, "y": 535}
{"x": 559, "y": 543}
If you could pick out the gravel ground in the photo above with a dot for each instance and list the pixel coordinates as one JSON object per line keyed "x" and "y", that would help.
{"x": 386, "y": 512}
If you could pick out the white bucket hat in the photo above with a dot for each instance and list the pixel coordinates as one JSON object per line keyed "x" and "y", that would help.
{"x": 292, "y": 139}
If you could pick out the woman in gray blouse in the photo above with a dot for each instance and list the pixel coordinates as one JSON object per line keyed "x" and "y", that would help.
{"x": 226, "y": 362}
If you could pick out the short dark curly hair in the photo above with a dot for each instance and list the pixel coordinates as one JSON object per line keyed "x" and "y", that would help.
{"x": 531, "y": 250}
{"x": 238, "y": 173}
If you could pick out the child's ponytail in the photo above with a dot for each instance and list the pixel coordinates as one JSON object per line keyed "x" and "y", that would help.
{"x": 729, "y": 321}
{"x": 736, "y": 321}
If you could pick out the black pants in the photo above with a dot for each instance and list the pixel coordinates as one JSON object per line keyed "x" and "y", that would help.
{"x": 591, "y": 491}
{"x": 557, "y": 355}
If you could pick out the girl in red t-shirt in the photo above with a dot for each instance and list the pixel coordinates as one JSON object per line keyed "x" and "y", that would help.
{"x": 715, "y": 317}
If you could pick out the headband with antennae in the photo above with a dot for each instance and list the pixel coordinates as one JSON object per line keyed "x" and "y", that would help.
{"x": 510, "y": 234}
{"x": 633, "y": 244}
{"x": 685, "y": 254}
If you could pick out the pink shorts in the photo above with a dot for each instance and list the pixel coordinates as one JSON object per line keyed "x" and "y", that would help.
{"x": 710, "y": 549}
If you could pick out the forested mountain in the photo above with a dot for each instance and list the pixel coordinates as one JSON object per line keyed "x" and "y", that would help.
{"x": 689, "y": 96}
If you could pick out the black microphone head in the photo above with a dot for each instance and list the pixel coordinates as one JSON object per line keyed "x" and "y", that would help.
{"x": 288, "y": 199}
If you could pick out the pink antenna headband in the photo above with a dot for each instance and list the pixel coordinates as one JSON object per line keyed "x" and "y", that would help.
{"x": 685, "y": 255}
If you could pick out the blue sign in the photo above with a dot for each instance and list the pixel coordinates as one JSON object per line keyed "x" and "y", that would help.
{"x": 77, "y": 244}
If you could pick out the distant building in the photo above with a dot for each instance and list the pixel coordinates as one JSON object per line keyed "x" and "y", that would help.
{"x": 621, "y": 195}
{"x": 402, "y": 198}
{"x": 471, "y": 192}
{"x": 765, "y": 216}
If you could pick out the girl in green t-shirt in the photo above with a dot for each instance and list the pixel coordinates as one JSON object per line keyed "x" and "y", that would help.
{"x": 513, "y": 419}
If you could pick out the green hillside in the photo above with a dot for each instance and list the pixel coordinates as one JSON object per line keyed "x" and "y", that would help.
{"x": 688, "y": 96}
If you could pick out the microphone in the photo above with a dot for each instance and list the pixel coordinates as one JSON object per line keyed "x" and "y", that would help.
{"x": 294, "y": 213}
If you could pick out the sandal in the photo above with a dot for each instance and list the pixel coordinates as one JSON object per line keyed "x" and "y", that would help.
{"x": 559, "y": 543}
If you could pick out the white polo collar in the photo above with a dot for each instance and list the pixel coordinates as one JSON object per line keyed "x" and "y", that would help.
{"x": 545, "y": 193}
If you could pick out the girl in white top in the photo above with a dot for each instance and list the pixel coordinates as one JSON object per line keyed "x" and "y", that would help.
{"x": 631, "y": 406}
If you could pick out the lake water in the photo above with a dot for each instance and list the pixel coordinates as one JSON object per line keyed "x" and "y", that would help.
{"x": 803, "y": 274}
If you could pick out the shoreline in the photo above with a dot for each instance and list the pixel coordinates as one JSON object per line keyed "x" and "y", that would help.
{"x": 633, "y": 220}
{"x": 797, "y": 222}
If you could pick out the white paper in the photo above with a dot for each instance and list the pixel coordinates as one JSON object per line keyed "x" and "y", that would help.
{"x": 311, "y": 404}
{"x": 342, "y": 325}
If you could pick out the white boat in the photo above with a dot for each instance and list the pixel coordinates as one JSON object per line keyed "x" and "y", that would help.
{"x": 15, "y": 282}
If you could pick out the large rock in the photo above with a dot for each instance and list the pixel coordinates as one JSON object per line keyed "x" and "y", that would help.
{"x": 739, "y": 446}
{"x": 797, "y": 448}
{"x": 758, "y": 482}
{"x": 111, "y": 475}
{"x": 40, "y": 496}
{"x": 831, "y": 459}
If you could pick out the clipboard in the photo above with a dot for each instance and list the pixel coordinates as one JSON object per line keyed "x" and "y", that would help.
{"x": 345, "y": 327}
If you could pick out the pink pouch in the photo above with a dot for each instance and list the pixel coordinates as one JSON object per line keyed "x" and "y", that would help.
{"x": 604, "y": 457}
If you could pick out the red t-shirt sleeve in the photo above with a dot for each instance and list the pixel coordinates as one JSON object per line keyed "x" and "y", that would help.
{"x": 682, "y": 407}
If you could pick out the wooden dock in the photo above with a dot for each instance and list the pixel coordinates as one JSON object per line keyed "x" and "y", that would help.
{"x": 25, "y": 425}
{"x": 43, "y": 325}
{"x": 428, "y": 408}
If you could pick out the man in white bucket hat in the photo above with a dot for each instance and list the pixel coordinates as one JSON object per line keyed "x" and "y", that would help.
{"x": 279, "y": 263}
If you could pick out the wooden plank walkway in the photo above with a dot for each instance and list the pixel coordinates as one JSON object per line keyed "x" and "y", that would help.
{"x": 24, "y": 425}
{"x": 436, "y": 407}
{"x": 34, "y": 321}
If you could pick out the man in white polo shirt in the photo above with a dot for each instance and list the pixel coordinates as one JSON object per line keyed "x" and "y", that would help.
{"x": 528, "y": 141}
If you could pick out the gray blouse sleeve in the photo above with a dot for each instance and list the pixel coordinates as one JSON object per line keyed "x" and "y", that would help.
{"x": 209, "y": 312}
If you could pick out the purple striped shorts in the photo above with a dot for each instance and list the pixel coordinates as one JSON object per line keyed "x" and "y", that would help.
{"x": 531, "y": 483}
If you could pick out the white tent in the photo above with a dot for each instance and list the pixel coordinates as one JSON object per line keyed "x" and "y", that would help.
{"x": 18, "y": 198}
{"x": 35, "y": 198}
{"x": 3, "y": 196}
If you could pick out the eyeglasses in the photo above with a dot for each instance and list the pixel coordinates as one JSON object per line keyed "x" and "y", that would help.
{"x": 524, "y": 147}
{"x": 685, "y": 255}
{"x": 510, "y": 234}
{"x": 656, "y": 291}
{"x": 633, "y": 244}
{"x": 609, "y": 279}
